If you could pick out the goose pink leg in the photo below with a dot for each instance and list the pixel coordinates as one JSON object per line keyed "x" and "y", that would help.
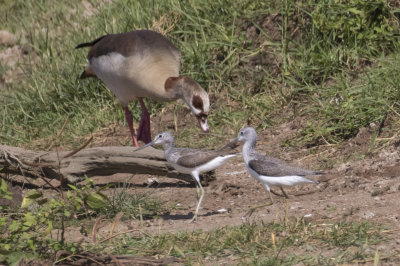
{"x": 144, "y": 132}
{"x": 129, "y": 120}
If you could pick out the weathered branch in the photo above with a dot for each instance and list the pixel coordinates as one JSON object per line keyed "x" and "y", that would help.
{"x": 99, "y": 161}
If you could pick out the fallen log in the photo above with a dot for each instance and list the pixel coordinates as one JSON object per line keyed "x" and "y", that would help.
{"x": 72, "y": 167}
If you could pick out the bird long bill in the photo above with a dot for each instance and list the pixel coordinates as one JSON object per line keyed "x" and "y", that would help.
{"x": 145, "y": 146}
{"x": 232, "y": 145}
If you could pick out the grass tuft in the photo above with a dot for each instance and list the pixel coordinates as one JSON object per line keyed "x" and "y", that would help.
{"x": 136, "y": 205}
{"x": 293, "y": 243}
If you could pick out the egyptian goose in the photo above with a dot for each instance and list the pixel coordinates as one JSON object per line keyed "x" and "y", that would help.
{"x": 143, "y": 64}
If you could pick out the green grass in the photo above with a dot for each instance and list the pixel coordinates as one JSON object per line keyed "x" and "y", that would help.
{"x": 294, "y": 242}
{"x": 317, "y": 48}
{"x": 136, "y": 205}
{"x": 341, "y": 108}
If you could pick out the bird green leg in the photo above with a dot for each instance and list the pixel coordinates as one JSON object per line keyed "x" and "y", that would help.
{"x": 252, "y": 209}
{"x": 197, "y": 192}
{"x": 270, "y": 196}
{"x": 286, "y": 211}
{"x": 284, "y": 193}
{"x": 199, "y": 200}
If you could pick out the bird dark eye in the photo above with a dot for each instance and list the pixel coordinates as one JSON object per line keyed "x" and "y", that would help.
{"x": 202, "y": 116}
{"x": 241, "y": 133}
{"x": 159, "y": 136}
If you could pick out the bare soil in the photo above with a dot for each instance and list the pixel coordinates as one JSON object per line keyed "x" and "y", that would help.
{"x": 358, "y": 186}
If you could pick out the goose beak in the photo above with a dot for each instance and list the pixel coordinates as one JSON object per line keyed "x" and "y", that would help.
{"x": 145, "y": 146}
{"x": 203, "y": 124}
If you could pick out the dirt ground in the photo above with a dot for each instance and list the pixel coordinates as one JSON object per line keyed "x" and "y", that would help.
{"x": 358, "y": 186}
{"x": 352, "y": 189}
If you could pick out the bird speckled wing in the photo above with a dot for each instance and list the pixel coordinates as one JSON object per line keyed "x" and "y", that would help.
{"x": 272, "y": 168}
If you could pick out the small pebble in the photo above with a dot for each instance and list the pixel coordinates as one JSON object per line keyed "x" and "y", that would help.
{"x": 152, "y": 180}
{"x": 6, "y": 37}
{"x": 369, "y": 215}
{"x": 223, "y": 210}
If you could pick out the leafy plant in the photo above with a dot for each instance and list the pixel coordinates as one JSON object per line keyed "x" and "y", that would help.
{"x": 356, "y": 23}
{"x": 4, "y": 193}
{"x": 30, "y": 230}
{"x": 87, "y": 197}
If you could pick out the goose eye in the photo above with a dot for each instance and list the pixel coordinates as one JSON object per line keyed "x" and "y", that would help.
{"x": 202, "y": 116}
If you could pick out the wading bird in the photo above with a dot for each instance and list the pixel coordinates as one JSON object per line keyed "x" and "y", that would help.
{"x": 268, "y": 170}
{"x": 192, "y": 161}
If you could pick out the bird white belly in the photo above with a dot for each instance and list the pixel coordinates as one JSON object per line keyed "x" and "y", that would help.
{"x": 279, "y": 180}
{"x": 214, "y": 163}
{"x": 284, "y": 180}
{"x": 135, "y": 76}
{"x": 211, "y": 165}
